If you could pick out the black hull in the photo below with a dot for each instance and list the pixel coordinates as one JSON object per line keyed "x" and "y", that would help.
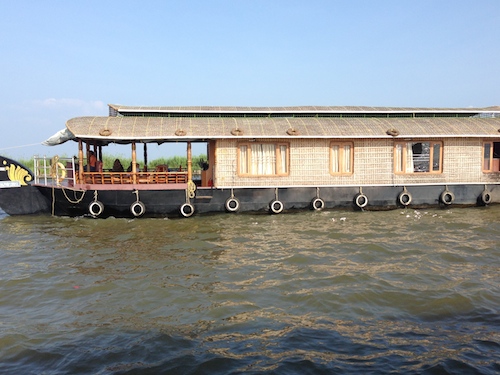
{"x": 24, "y": 200}
{"x": 167, "y": 203}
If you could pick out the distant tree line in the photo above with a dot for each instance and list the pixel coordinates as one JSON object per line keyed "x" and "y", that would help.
{"x": 173, "y": 162}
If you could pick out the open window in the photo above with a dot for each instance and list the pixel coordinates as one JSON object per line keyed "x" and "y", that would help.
{"x": 418, "y": 157}
{"x": 263, "y": 159}
{"x": 491, "y": 157}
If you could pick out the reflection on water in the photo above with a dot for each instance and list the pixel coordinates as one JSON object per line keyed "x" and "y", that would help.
{"x": 313, "y": 292}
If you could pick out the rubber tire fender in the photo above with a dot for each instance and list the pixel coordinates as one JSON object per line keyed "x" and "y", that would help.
{"x": 140, "y": 205}
{"x": 317, "y": 204}
{"x": 404, "y": 198}
{"x": 447, "y": 197}
{"x": 96, "y": 205}
{"x": 360, "y": 200}
{"x": 486, "y": 197}
{"x": 232, "y": 204}
{"x": 274, "y": 209}
{"x": 186, "y": 210}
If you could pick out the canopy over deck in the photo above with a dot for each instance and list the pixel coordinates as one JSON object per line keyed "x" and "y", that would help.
{"x": 171, "y": 124}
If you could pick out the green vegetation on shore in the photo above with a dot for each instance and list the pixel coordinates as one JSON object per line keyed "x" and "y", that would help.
{"x": 108, "y": 160}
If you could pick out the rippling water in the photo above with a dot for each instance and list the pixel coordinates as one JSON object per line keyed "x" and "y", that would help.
{"x": 410, "y": 292}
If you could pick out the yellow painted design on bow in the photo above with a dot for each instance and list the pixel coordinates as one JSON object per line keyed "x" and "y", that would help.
{"x": 16, "y": 173}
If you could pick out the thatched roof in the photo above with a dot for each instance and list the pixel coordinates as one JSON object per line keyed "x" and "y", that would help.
{"x": 123, "y": 110}
{"x": 123, "y": 129}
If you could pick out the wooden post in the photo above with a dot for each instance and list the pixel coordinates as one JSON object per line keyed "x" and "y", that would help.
{"x": 212, "y": 162}
{"x": 134, "y": 162}
{"x": 80, "y": 161}
{"x": 88, "y": 156}
{"x": 189, "y": 162}
{"x": 145, "y": 157}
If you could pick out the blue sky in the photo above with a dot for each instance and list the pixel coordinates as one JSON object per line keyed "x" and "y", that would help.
{"x": 63, "y": 59}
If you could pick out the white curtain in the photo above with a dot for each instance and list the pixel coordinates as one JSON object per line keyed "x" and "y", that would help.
{"x": 399, "y": 157}
{"x": 284, "y": 164}
{"x": 409, "y": 158}
{"x": 341, "y": 158}
{"x": 347, "y": 158}
{"x": 263, "y": 159}
{"x": 335, "y": 159}
{"x": 244, "y": 159}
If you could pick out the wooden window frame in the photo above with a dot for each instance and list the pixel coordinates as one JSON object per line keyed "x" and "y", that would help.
{"x": 403, "y": 161}
{"x": 280, "y": 170}
{"x": 493, "y": 166}
{"x": 341, "y": 158}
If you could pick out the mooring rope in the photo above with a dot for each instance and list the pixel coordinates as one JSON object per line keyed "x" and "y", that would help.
{"x": 77, "y": 200}
{"x": 191, "y": 189}
{"x": 53, "y": 200}
{"x": 13, "y": 147}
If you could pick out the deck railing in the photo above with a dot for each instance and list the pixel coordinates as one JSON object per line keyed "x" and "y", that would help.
{"x": 54, "y": 171}
{"x": 121, "y": 178}
{"x": 64, "y": 171}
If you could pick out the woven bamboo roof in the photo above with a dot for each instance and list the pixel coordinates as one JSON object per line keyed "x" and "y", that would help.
{"x": 124, "y": 129}
{"x": 121, "y": 109}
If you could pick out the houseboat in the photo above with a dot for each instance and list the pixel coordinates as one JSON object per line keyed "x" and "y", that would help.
{"x": 263, "y": 159}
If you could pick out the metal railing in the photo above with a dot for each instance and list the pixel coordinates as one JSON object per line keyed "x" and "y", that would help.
{"x": 61, "y": 171}
{"x": 54, "y": 171}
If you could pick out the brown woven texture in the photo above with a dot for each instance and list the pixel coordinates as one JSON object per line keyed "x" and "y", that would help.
{"x": 293, "y": 109}
{"x": 373, "y": 165}
{"x": 173, "y": 128}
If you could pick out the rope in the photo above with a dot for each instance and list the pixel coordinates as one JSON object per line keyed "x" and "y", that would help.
{"x": 191, "y": 188}
{"x": 10, "y": 148}
{"x": 77, "y": 200}
{"x": 136, "y": 192}
{"x": 53, "y": 200}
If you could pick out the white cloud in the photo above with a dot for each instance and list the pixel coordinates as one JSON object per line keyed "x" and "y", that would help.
{"x": 92, "y": 107}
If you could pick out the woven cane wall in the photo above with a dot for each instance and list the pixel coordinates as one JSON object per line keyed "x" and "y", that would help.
{"x": 373, "y": 165}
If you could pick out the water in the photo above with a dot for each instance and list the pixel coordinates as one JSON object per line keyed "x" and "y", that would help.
{"x": 407, "y": 292}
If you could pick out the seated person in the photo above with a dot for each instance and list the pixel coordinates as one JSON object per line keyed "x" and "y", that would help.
{"x": 117, "y": 166}
{"x": 137, "y": 168}
{"x": 161, "y": 168}
{"x": 92, "y": 161}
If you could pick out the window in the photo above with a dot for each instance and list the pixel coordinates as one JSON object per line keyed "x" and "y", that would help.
{"x": 341, "y": 158}
{"x": 418, "y": 157}
{"x": 491, "y": 156}
{"x": 263, "y": 159}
